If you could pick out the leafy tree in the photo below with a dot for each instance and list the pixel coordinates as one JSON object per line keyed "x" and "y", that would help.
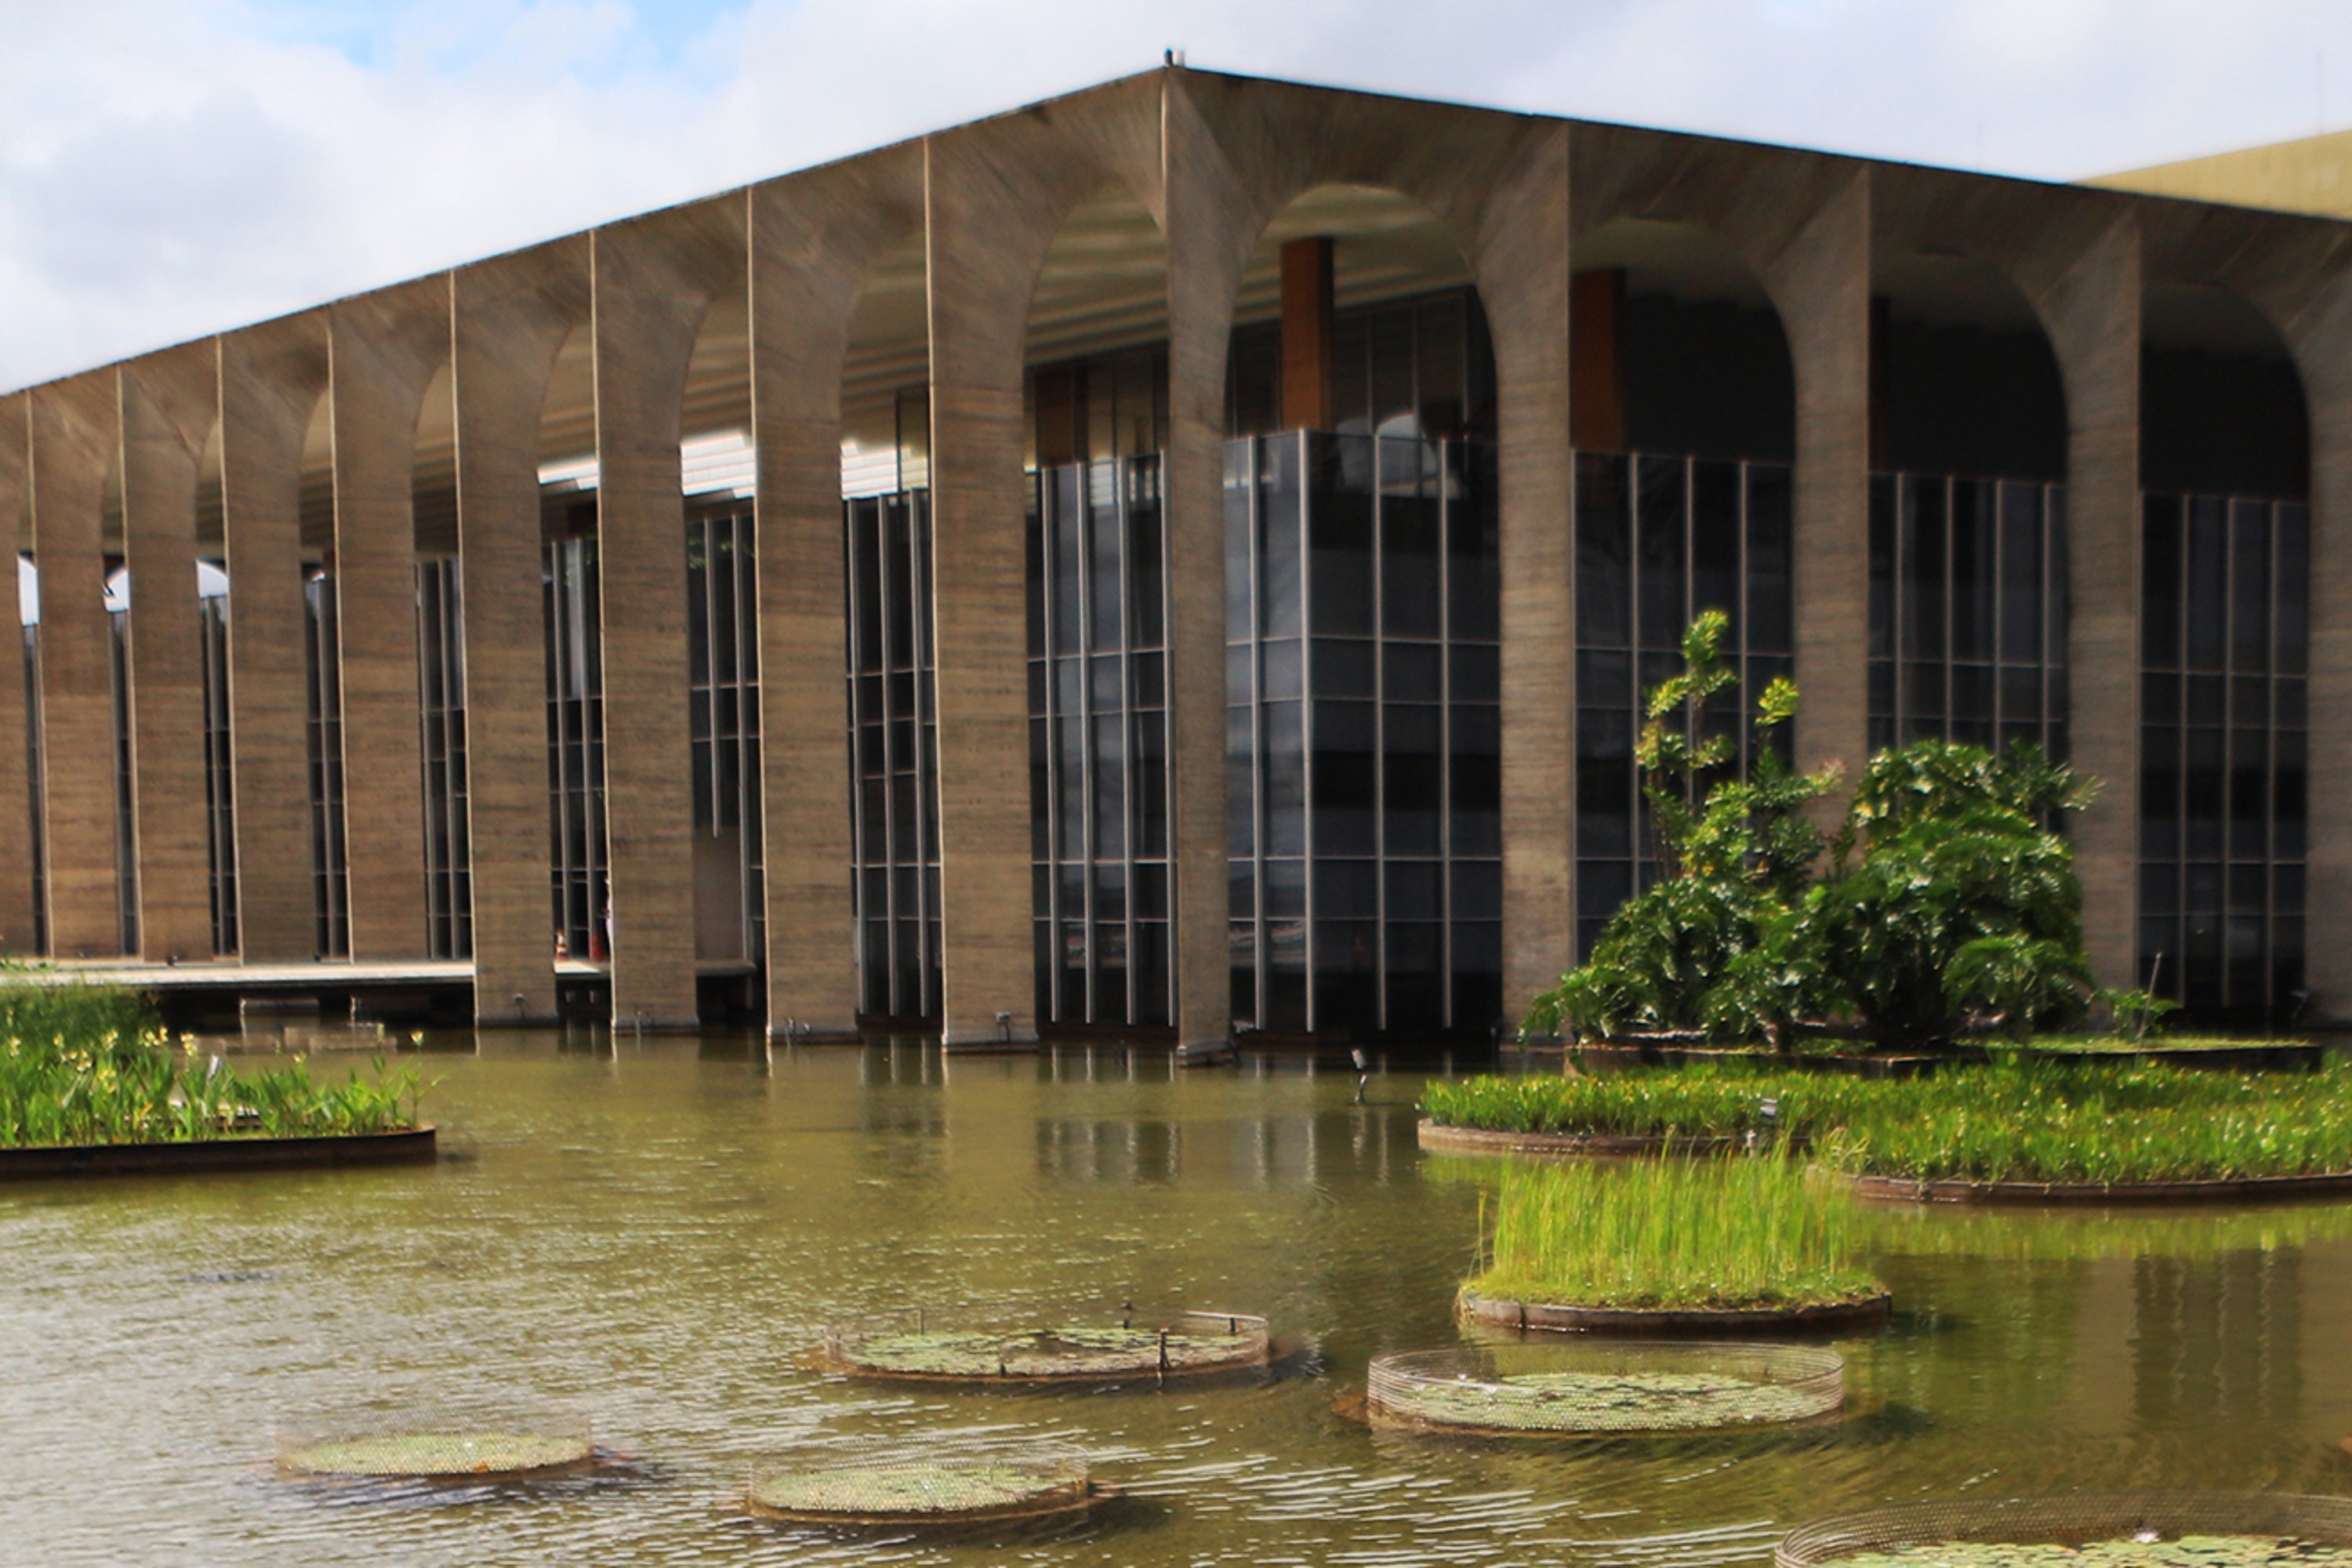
{"x": 1708, "y": 946}
{"x": 1946, "y": 904}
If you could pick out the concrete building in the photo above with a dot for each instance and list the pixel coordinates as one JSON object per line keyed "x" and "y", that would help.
{"x": 1180, "y": 556}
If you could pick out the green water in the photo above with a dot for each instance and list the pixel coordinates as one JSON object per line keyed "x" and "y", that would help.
{"x": 655, "y": 1237}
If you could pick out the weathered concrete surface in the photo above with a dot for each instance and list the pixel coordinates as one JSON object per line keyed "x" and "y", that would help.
{"x": 383, "y": 350}
{"x": 74, "y": 457}
{"x": 169, "y": 406}
{"x": 653, "y": 281}
{"x": 271, "y": 378}
{"x": 509, "y": 319}
{"x": 18, "y": 928}
{"x": 814, "y": 239}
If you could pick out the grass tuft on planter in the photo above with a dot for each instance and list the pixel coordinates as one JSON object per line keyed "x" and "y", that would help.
{"x": 1730, "y": 1233}
{"x": 2025, "y": 1121}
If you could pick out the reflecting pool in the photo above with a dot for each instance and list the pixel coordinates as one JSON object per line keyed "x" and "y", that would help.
{"x": 657, "y": 1234}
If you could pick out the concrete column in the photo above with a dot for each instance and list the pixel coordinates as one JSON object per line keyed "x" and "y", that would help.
{"x": 383, "y": 351}
{"x": 15, "y": 795}
{"x": 509, "y": 319}
{"x": 73, "y": 458}
{"x": 653, "y": 280}
{"x": 1524, "y": 280}
{"x": 1211, "y": 226}
{"x": 812, "y": 240}
{"x": 271, "y": 378}
{"x": 2322, "y": 342}
{"x": 2090, "y": 300}
{"x": 982, "y": 255}
{"x": 1821, "y": 281}
{"x": 168, "y": 405}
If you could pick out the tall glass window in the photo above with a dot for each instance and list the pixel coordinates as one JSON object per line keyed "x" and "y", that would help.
{"x": 1363, "y": 733}
{"x": 1099, "y": 760}
{"x": 893, "y": 754}
{"x": 1658, "y": 539}
{"x": 36, "y": 787}
{"x": 2224, "y": 714}
{"x": 1968, "y": 611}
{"x": 220, "y": 797}
{"x": 126, "y": 833}
{"x": 330, "y": 873}
{"x": 441, "y": 681}
{"x": 578, "y": 857}
{"x": 724, "y": 717}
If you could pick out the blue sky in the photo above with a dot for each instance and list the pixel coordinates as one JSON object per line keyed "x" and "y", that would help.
{"x": 172, "y": 167}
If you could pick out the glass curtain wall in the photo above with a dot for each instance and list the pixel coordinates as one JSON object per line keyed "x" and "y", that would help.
{"x": 1099, "y": 768}
{"x": 35, "y": 788}
{"x": 220, "y": 797}
{"x": 577, "y": 854}
{"x": 1658, "y": 539}
{"x": 441, "y": 678}
{"x": 893, "y": 754}
{"x": 723, "y": 648}
{"x": 1968, "y": 611}
{"x": 329, "y": 870}
{"x": 2223, "y": 749}
{"x": 1363, "y": 733}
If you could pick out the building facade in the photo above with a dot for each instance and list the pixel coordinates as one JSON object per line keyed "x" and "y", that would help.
{"x": 1181, "y": 557}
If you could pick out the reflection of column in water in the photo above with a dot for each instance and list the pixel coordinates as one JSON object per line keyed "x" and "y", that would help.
{"x": 2220, "y": 1338}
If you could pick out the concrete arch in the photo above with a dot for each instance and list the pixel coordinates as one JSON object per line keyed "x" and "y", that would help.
{"x": 513, "y": 320}
{"x": 273, "y": 384}
{"x": 816, "y": 241}
{"x": 17, "y": 925}
{"x": 655, "y": 280}
{"x": 169, "y": 413}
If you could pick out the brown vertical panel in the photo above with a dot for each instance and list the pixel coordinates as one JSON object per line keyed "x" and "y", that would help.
{"x": 271, "y": 378}
{"x": 2089, "y": 295}
{"x": 73, "y": 458}
{"x": 813, "y": 238}
{"x": 1306, "y": 332}
{"x": 1596, "y": 368}
{"x": 510, "y": 318}
{"x": 653, "y": 280}
{"x": 16, "y": 923}
{"x": 383, "y": 351}
{"x": 168, "y": 402}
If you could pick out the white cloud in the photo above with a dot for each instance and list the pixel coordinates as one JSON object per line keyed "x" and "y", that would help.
{"x": 172, "y": 167}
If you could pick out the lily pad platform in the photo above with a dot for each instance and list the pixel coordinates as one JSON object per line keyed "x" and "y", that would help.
{"x": 906, "y": 1483}
{"x": 439, "y": 1450}
{"x": 1676, "y": 1322}
{"x": 1612, "y": 1389}
{"x": 1181, "y": 1344}
{"x": 2087, "y": 1530}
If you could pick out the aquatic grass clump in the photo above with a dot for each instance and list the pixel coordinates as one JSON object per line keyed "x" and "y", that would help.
{"x": 1749, "y": 1231}
{"x": 91, "y": 1065}
{"x": 2087, "y": 1121}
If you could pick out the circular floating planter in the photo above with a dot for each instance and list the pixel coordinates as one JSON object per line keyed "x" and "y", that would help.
{"x": 1605, "y": 1390}
{"x": 1443, "y": 1139}
{"x": 902, "y": 1482}
{"x": 1180, "y": 1344}
{"x": 2085, "y": 1529}
{"x": 1824, "y": 1317}
{"x": 436, "y": 1447}
{"x": 2234, "y": 1190}
{"x": 405, "y": 1146}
